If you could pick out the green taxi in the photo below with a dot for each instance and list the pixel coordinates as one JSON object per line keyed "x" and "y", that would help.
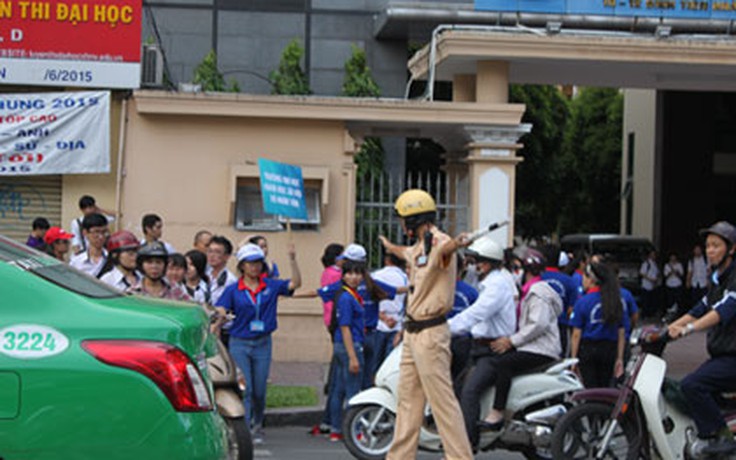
{"x": 89, "y": 373}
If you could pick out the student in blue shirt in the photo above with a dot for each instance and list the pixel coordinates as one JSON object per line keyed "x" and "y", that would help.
{"x": 253, "y": 300}
{"x": 348, "y": 324}
{"x": 564, "y": 286}
{"x": 357, "y": 253}
{"x": 599, "y": 323}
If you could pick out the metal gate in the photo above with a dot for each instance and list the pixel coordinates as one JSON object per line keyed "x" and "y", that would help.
{"x": 22, "y": 199}
{"x": 375, "y": 214}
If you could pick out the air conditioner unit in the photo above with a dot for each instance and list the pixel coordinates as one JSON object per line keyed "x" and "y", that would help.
{"x": 152, "y": 68}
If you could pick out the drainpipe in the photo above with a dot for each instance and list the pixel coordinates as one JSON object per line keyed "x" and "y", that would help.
{"x": 429, "y": 91}
{"x": 121, "y": 156}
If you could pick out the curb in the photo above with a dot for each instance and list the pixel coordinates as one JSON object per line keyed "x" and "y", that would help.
{"x": 293, "y": 416}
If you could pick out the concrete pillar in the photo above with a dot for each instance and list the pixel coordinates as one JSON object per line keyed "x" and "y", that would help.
{"x": 492, "y": 83}
{"x": 492, "y": 164}
{"x": 463, "y": 88}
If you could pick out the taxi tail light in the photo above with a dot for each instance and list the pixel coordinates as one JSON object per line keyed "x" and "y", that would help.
{"x": 167, "y": 366}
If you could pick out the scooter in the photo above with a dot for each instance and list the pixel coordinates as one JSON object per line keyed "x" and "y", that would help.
{"x": 646, "y": 417}
{"x": 229, "y": 401}
{"x": 223, "y": 373}
{"x": 536, "y": 401}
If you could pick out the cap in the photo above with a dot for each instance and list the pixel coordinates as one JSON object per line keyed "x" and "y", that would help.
{"x": 56, "y": 233}
{"x": 354, "y": 252}
{"x": 250, "y": 253}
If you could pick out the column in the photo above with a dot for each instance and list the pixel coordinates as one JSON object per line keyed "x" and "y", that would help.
{"x": 492, "y": 164}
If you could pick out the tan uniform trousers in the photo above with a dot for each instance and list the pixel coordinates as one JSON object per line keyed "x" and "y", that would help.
{"x": 425, "y": 370}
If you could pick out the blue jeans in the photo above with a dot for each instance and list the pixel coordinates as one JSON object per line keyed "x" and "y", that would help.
{"x": 382, "y": 346}
{"x": 332, "y": 375}
{"x": 369, "y": 356}
{"x": 253, "y": 357}
{"x": 346, "y": 384}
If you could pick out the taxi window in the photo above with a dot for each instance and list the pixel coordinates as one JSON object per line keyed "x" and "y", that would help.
{"x": 76, "y": 281}
{"x": 53, "y": 270}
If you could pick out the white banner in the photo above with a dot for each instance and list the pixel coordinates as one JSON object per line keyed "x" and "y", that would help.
{"x": 54, "y": 133}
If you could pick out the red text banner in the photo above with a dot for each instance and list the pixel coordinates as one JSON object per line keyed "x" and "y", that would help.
{"x": 54, "y": 133}
{"x": 71, "y": 43}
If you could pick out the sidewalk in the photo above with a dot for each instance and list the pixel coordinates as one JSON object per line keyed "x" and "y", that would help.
{"x": 312, "y": 374}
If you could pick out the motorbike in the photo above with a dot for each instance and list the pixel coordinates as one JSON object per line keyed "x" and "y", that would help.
{"x": 229, "y": 401}
{"x": 646, "y": 417}
{"x": 536, "y": 401}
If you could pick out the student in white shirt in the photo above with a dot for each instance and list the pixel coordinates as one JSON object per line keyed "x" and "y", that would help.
{"x": 153, "y": 229}
{"x": 390, "y": 312}
{"x": 196, "y": 281}
{"x": 697, "y": 277}
{"x": 87, "y": 205}
{"x": 120, "y": 269}
{"x": 674, "y": 275}
{"x": 95, "y": 230}
{"x": 650, "y": 281}
{"x": 218, "y": 253}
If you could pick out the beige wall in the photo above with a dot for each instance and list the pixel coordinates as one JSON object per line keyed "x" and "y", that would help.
{"x": 640, "y": 118}
{"x": 180, "y": 168}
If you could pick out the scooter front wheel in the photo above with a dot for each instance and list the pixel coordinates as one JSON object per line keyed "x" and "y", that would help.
{"x": 368, "y": 431}
{"x": 578, "y": 434}
{"x": 240, "y": 443}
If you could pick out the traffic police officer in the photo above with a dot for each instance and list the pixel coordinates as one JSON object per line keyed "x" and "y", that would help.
{"x": 425, "y": 359}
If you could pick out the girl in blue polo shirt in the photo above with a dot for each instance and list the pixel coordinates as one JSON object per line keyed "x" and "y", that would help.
{"x": 253, "y": 300}
{"x": 599, "y": 325}
{"x": 348, "y": 322}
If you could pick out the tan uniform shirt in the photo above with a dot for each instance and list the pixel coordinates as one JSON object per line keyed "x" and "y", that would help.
{"x": 433, "y": 282}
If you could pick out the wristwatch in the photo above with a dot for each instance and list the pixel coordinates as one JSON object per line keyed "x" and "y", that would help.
{"x": 689, "y": 329}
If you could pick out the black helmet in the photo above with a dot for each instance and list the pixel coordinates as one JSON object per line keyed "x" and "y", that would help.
{"x": 723, "y": 229}
{"x": 155, "y": 249}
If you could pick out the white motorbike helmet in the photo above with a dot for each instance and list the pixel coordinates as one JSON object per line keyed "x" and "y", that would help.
{"x": 486, "y": 248}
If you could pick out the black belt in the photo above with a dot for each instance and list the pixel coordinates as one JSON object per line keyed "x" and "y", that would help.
{"x": 413, "y": 326}
{"x": 483, "y": 342}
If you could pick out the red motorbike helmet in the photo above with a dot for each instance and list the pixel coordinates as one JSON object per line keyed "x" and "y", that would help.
{"x": 121, "y": 241}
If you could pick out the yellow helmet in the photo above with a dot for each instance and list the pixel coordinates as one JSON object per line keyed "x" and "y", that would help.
{"x": 413, "y": 202}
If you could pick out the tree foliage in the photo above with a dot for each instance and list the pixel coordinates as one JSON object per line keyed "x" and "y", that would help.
{"x": 569, "y": 180}
{"x": 539, "y": 176}
{"x": 592, "y": 162}
{"x": 359, "y": 82}
{"x": 210, "y": 78}
{"x": 290, "y": 78}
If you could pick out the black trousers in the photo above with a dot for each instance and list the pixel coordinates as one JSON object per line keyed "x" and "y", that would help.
{"x": 597, "y": 359}
{"x": 481, "y": 376}
{"x": 460, "y": 347}
{"x": 492, "y": 369}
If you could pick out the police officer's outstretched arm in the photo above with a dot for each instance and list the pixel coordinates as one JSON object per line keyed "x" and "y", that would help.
{"x": 395, "y": 249}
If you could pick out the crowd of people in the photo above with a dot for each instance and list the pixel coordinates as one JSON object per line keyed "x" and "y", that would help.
{"x": 505, "y": 311}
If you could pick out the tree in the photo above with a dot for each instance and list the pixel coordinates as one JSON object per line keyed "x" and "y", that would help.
{"x": 538, "y": 185}
{"x": 209, "y": 77}
{"x": 592, "y": 162}
{"x": 290, "y": 78}
{"x": 359, "y": 82}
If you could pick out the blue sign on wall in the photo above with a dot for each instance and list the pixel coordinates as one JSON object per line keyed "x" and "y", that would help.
{"x": 692, "y": 9}
{"x": 282, "y": 189}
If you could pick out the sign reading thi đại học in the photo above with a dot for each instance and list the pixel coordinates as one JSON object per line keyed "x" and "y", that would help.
{"x": 282, "y": 189}
{"x": 54, "y": 133}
